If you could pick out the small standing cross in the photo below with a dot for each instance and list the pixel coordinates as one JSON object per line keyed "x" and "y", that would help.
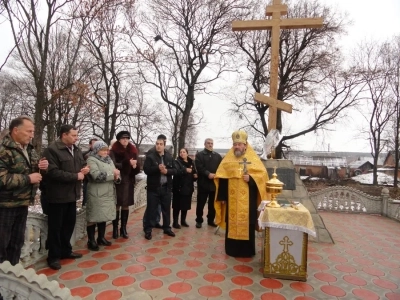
{"x": 275, "y": 24}
{"x": 286, "y": 243}
{"x": 245, "y": 163}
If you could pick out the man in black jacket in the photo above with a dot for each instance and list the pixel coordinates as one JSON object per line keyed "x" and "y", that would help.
{"x": 158, "y": 216}
{"x": 207, "y": 162}
{"x": 64, "y": 180}
{"x": 159, "y": 167}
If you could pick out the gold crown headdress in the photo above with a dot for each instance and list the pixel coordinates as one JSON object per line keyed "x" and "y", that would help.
{"x": 239, "y": 136}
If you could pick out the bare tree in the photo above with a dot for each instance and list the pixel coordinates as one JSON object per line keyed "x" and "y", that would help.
{"x": 66, "y": 83}
{"x": 310, "y": 72}
{"x": 32, "y": 24}
{"x": 371, "y": 62}
{"x": 32, "y": 39}
{"x": 182, "y": 46}
{"x": 191, "y": 135}
{"x": 14, "y": 99}
{"x": 393, "y": 64}
{"x": 144, "y": 118}
{"x": 174, "y": 119}
{"x": 104, "y": 42}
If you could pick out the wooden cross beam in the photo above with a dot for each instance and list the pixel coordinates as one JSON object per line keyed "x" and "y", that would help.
{"x": 275, "y": 24}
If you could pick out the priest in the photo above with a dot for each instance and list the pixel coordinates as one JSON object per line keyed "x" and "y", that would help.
{"x": 240, "y": 186}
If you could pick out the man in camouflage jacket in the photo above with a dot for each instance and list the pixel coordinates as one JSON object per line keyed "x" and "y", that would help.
{"x": 19, "y": 180}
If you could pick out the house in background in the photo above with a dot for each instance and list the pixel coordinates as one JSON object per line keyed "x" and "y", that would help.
{"x": 331, "y": 165}
{"x": 360, "y": 166}
{"x": 389, "y": 164}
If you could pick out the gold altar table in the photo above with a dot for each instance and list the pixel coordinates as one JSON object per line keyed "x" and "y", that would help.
{"x": 285, "y": 245}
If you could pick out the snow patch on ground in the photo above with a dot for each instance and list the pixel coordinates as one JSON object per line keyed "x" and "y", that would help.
{"x": 383, "y": 179}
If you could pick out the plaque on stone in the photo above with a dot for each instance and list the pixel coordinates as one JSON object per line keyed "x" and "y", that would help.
{"x": 286, "y": 175}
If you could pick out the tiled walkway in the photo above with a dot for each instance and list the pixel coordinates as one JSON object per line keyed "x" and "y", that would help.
{"x": 364, "y": 263}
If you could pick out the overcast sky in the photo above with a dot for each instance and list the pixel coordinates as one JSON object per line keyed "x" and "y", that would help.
{"x": 372, "y": 19}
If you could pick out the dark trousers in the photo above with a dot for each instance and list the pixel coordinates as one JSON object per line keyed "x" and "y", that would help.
{"x": 44, "y": 203}
{"x": 201, "y": 202}
{"x": 158, "y": 218}
{"x": 158, "y": 196}
{"x": 61, "y": 223}
{"x": 12, "y": 233}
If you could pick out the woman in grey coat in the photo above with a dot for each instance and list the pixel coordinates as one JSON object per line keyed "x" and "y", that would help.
{"x": 101, "y": 196}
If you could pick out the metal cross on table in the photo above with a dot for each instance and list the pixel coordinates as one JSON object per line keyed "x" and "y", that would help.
{"x": 245, "y": 163}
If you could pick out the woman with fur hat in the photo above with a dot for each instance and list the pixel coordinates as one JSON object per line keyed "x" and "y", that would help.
{"x": 101, "y": 195}
{"x": 124, "y": 156}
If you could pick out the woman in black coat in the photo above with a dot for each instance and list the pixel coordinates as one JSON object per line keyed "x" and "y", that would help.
{"x": 183, "y": 188}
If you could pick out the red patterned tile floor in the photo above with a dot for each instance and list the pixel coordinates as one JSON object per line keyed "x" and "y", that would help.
{"x": 364, "y": 263}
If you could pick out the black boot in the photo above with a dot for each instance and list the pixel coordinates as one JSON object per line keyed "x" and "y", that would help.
{"x": 92, "y": 245}
{"x": 183, "y": 218}
{"x": 101, "y": 230}
{"x": 115, "y": 226}
{"x": 175, "y": 214}
{"x": 124, "y": 221}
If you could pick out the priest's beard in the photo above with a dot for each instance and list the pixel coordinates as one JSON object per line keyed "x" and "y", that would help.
{"x": 239, "y": 153}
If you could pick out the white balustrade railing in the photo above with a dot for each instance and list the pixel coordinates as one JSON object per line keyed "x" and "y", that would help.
{"x": 349, "y": 200}
{"x": 34, "y": 247}
{"x": 18, "y": 283}
{"x": 35, "y": 238}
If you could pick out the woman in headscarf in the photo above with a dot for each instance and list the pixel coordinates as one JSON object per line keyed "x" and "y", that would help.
{"x": 101, "y": 195}
{"x": 183, "y": 188}
{"x": 125, "y": 158}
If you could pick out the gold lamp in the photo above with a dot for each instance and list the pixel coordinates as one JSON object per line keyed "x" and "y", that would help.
{"x": 274, "y": 187}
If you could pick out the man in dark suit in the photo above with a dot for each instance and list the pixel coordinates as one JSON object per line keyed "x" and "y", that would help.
{"x": 67, "y": 169}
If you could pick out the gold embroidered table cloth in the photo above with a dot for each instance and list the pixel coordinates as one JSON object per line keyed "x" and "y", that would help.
{"x": 288, "y": 218}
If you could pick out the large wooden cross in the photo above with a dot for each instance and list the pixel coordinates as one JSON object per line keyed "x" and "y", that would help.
{"x": 275, "y": 24}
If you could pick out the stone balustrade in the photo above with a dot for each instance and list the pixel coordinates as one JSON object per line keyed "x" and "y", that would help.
{"x": 35, "y": 238}
{"x": 34, "y": 247}
{"x": 350, "y": 200}
{"x": 20, "y": 283}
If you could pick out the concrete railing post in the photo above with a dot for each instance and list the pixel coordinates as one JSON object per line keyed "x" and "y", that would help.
{"x": 385, "y": 201}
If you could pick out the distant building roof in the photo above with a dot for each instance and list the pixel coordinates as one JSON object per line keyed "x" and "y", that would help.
{"x": 329, "y": 158}
{"x": 359, "y": 163}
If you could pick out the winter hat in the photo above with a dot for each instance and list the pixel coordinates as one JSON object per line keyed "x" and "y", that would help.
{"x": 99, "y": 145}
{"x": 123, "y": 134}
